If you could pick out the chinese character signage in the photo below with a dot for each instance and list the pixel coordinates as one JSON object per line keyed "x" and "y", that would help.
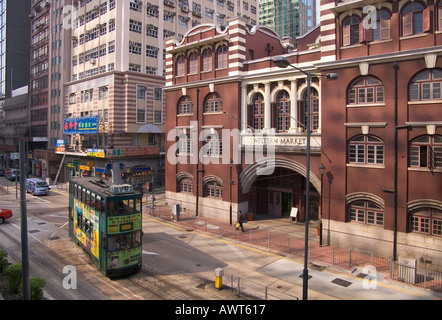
{"x": 60, "y": 145}
{"x": 83, "y": 125}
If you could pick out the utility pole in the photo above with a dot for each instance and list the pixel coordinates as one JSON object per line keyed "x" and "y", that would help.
{"x": 24, "y": 223}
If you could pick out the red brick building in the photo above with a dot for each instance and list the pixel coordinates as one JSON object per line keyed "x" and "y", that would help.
{"x": 377, "y": 129}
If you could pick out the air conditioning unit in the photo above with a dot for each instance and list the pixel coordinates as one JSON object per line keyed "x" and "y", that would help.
{"x": 93, "y": 61}
{"x": 121, "y": 189}
{"x": 185, "y": 8}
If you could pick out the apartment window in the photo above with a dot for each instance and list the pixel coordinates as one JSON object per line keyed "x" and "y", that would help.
{"x": 366, "y": 212}
{"x": 426, "y": 85}
{"x": 426, "y": 152}
{"x": 157, "y": 117}
{"x": 151, "y": 51}
{"x": 72, "y": 98}
{"x": 111, "y": 47}
{"x": 350, "y": 31}
{"x": 221, "y": 57}
{"x": 135, "y": 26}
{"x": 427, "y": 221}
{"x": 365, "y": 90}
{"x": 193, "y": 63}
{"x": 103, "y": 92}
{"x": 415, "y": 19}
{"x": 158, "y": 94}
{"x": 213, "y": 103}
{"x": 141, "y": 92}
{"x": 135, "y": 47}
{"x": 366, "y": 149}
{"x": 207, "y": 60}
{"x": 135, "y": 5}
{"x": 86, "y": 95}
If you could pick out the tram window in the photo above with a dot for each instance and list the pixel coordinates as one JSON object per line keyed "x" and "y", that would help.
{"x": 103, "y": 240}
{"x": 124, "y": 241}
{"x": 126, "y": 206}
{"x": 78, "y": 195}
{"x": 111, "y": 208}
{"x": 83, "y": 195}
{"x": 88, "y": 197}
{"x": 99, "y": 204}
{"x": 137, "y": 205}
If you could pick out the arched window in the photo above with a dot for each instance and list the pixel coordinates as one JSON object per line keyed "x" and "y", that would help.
{"x": 207, "y": 60}
{"x": 283, "y": 112}
{"x": 185, "y": 185}
{"x": 365, "y": 90}
{"x": 426, "y": 152}
{"x": 314, "y": 109}
{"x": 415, "y": 19}
{"x": 366, "y": 149}
{"x": 426, "y": 85}
{"x": 427, "y": 221}
{"x": 366, "y": 212}
{"x": 213, "y": 189}
{"x": 258, "y": 112}
{"x": 381, "y": 30}
{"x": 180, "y": 66}
{"x": 350, "y": 31}
{"x": 213, "y": 103}
{"x": 221, "y": 57}
{"x": 193, "y": 63}
{"x": 185, "y": 105}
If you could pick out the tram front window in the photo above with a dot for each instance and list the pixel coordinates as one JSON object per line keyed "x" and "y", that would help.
{"x": 124, "y": 241}
{"x": 128, "y": 206}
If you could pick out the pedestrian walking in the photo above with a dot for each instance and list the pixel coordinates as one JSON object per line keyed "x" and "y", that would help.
{"x": 241, "y": 220}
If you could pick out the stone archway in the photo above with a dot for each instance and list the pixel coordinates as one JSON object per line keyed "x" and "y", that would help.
{"x": 266, "y": 166}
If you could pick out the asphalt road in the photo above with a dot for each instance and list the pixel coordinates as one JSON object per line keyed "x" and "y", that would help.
{"x": 178, "y": 264}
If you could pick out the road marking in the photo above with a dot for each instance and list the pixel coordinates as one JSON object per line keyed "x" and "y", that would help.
{"x": 150, "y": 253}
{"x": 181, "y": 228}
{"x": 19, "y": 228}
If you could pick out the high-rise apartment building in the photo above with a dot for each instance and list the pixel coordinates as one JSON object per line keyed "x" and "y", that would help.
{"x": 14, "y": 67}
{"x": 14, "y": 49}
{"x": 289, "y": 18}
{"x": 114, "y": 55}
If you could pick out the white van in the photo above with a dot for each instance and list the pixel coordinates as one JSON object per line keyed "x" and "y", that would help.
{"x": 37, "y": 187}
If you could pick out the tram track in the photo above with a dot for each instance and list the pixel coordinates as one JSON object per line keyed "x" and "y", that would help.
{"x": 44, "y": 263}
{"x": 164, "y": 289}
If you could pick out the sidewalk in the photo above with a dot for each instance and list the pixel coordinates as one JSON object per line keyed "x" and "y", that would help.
{"x": 286, "y": 238}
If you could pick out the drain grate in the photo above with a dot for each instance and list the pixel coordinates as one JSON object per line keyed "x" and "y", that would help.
{"x": 341, "y": 282}
{"x": 40, "y": 223}
{"x": 54, "y": 238}
{"x": 33, "y": 231}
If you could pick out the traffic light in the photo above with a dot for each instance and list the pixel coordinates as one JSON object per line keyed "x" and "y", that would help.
{"x": 150, "y": 187}
{"x": 124, "y": 175}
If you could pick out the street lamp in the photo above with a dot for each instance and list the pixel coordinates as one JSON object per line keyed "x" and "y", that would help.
{"x": 283, "y": 62}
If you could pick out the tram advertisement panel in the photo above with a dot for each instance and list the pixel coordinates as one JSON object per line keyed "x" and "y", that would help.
{"x": 86, "y": 223}
{"x": 117, "y": 224}
{"x": 126, "y": 258}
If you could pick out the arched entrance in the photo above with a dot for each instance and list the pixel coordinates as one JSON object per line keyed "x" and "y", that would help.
{"x": 277, "y": 193}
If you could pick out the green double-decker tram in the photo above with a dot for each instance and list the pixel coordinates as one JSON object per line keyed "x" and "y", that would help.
{"x": 106, "y": 220}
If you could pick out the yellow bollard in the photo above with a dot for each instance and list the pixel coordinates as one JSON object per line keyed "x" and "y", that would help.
{"x": 219, "y": 272}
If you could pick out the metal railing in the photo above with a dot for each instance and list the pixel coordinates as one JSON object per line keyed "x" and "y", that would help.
{"x": 250, "y": 289}
{"x": 348, "y": 259}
